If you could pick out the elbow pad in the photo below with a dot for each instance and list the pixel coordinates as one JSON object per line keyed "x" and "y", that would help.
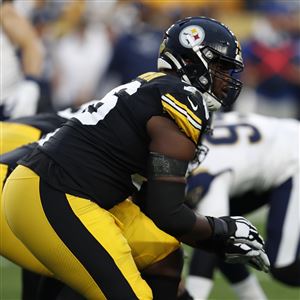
{"x": 161, "y": 165}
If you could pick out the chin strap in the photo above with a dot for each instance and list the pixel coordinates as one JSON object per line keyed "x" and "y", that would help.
{"x": 212, "y": 103}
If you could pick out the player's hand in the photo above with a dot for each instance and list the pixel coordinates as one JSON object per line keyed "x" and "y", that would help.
{"x": 242, "y": 253}
{"x": 241, "y": 241}
{"x": 240, "y": 230}
{"x": 24, "y": 100}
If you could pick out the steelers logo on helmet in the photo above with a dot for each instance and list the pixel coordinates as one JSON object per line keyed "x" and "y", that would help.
{"x": 191, "y": 36}
{"x": 238, "y": 52}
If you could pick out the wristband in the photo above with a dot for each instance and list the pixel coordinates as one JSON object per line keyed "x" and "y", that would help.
{"x": 219, "y": 228}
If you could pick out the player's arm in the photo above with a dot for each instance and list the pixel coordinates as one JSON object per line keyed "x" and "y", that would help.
{"x": 24, "y": 100}
{"x": 165, "y": 192}
{"x": 20, "y": 32}
{"x": 170, "y": 151}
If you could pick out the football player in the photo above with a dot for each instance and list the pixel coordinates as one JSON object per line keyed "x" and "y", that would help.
{"x": 62, "y": 201}
{"x": 253, "y": 160}
{"x": 17, "y": 132}
{"x": 14, "y": 134}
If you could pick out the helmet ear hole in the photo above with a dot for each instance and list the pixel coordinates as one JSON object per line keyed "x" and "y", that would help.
{"x": 208, "y": 54}
{"x": 203, "y": 80}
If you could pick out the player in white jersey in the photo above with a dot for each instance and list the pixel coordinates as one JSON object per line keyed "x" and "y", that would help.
{"x": 252, "y": 160}
{"x": 19, "y": 88}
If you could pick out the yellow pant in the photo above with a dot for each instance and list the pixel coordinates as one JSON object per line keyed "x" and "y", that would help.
{"x": 97, "y": 252}
{"x": 11, "y": 247}
{"x": 14, "y": 135}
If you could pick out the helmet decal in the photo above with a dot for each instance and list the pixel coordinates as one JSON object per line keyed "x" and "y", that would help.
{"x": 191, "y": 36}
{"x": 238, "y": 51}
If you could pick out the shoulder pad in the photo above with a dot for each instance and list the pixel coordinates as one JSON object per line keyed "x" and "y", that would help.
{"x": 188, "y": 110}
{"x": 149, "y": 76}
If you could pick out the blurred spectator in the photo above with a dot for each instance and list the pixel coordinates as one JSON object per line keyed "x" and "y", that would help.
{"x": 138, "y": 26}
{"x": 135, "y": 50}
{"x": 80, "y": 59}
{"x": 43, "y": 19}
{"x": 26, "y": 8}
{"x": 272, "y": 62}
{"x": 20, "y": 88}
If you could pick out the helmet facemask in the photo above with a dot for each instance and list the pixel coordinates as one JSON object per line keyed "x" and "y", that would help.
{"x": 214, "y": 74}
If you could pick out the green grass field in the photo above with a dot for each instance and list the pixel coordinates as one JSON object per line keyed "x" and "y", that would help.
{"x": 273, "y": 289}
{"x": 10, "y": 286}
{"x": 10, "y": 282}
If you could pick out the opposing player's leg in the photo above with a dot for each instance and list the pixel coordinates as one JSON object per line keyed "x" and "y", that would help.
{"x": 283, "y": 232}
{"x": 244, "y": 284}
{"x": 199, "y": 281}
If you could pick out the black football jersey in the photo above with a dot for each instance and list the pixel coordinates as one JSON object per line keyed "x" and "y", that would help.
{"x": 94, "y": 154}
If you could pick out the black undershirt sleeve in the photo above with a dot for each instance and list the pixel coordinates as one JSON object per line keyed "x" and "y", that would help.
{"x": 164, "y": 204}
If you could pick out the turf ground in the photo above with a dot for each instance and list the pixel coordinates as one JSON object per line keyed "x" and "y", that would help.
{"x": 10, "y": 286}
{"x": 273, "y": 289}
{"x": 10, "y": 283}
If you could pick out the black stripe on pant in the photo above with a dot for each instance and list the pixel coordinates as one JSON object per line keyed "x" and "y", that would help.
{"x": 83, "y": 245}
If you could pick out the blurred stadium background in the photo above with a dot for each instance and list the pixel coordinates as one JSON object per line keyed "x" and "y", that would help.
{"x": 91, "y": 46}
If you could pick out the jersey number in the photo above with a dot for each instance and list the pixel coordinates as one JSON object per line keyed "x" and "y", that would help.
{"x": 97, "y": 111}
{"x": 229, "y": 134}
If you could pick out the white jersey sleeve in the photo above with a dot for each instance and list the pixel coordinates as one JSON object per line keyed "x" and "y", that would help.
{"x": 216, "y": 201}
{"x": 261, "y": 151}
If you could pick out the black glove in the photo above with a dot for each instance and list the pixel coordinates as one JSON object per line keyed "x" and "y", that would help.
{"x": 238, "y": 241}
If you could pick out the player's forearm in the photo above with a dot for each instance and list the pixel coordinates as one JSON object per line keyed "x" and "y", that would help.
{"x": 165, "y": 206}
{"x": 200, "y": 231}
{"x": 23, "y": 35}
{"x": 32, "y": 59}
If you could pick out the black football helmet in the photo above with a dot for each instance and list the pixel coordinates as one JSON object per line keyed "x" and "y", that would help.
{"x": 192, "y": 47}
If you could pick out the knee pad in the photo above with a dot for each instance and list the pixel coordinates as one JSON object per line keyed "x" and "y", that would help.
{"x": 289, "y": 275}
